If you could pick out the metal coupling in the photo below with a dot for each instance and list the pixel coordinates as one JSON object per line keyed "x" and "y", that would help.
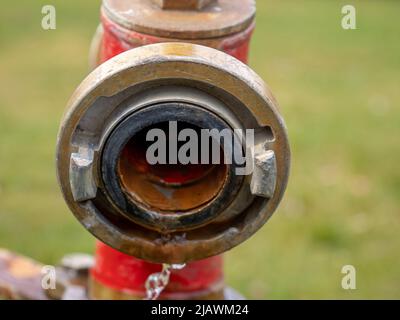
{"x": 175, "y": 212}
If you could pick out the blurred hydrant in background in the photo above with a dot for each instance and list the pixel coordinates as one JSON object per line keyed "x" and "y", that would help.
{"x": 163, "y": 61}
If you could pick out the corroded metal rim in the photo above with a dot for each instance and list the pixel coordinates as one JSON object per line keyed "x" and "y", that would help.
{"x": 221, "y": 18}
{"x": 224, "y": 78}
{"x": 154, "y": 219}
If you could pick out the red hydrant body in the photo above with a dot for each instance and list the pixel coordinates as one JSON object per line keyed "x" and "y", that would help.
{"x": 120, "y": 276}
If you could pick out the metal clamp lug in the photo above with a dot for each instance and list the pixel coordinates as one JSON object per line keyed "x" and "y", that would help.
{"x": 82, "y": 183}
{"x": 263, "y": 181}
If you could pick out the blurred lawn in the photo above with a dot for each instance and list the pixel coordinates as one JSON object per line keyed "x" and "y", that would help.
{"x": 339, "y": 92}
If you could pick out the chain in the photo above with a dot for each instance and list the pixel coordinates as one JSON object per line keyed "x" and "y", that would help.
{"x": 157, "y": 282}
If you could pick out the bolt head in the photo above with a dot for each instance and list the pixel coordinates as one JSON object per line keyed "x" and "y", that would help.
{"x": 183, "y": 4}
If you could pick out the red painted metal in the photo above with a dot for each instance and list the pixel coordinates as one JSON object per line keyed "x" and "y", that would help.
{"x": 117, "y": 39}
{"x": 127, "y": 274}
{"x": 123, "y": 273}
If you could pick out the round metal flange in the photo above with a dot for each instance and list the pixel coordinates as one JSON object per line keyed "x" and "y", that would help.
{"x": 217, "y": 19}
{"x": 170, "y": 78}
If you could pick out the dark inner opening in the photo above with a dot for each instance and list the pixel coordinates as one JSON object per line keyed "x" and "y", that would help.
{"x": 168, "y": 187}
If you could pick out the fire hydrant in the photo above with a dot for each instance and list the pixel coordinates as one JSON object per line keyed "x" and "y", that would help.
{"x": 162, "y": 62}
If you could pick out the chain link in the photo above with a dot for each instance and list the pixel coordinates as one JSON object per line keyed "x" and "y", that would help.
{"x": 157, "y": 282}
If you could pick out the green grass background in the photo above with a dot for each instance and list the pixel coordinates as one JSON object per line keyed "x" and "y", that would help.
{"x": 339, "y": 93}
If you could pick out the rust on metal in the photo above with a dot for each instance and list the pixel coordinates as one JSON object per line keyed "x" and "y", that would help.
{"x": 216, "y": 19}
{"x": 20, "y": 277}
{"x": 182, "y": 4}
{"x": 169, "y": 187}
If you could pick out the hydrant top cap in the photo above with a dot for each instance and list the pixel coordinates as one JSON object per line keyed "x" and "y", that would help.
{"x": 216, "y": 19}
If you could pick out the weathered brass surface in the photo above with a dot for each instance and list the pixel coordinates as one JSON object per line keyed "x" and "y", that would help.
{"x": 230, "y": 89}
